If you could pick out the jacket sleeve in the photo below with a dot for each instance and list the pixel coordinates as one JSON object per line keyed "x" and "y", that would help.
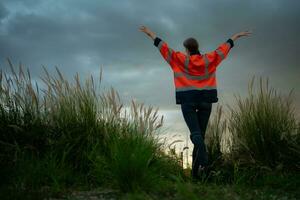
{"x": 167, "y": 53}
{"x": 218, "y": 55}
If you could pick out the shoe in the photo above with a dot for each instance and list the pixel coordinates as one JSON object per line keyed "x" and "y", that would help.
{"x": 203, "y": 171}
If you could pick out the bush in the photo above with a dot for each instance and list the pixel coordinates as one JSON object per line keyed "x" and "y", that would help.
{"x": 264, "y": 129}
{"x": 68, "y": 129}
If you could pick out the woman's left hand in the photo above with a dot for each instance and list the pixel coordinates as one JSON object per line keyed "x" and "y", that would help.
{"x": 241, "y": 34}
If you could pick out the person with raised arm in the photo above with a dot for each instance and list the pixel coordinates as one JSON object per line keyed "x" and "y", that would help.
{"x": 195, "y": 87}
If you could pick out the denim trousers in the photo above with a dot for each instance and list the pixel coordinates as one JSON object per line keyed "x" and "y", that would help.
{"x": 196, "y": 116}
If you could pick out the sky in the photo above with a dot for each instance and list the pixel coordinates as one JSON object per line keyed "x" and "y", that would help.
{"x": 82, "y": 36}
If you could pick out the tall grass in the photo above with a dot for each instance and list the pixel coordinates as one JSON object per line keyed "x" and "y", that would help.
{"x": 264, "y": 129}
{"x": 74, "y": 126}
{"x": 216, "y": 140}
{"x": 71, "y": 134}
{"x": 260, "y": 132}
{"x": 215, "y": 132}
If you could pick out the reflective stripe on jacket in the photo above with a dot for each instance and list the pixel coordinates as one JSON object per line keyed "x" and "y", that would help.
{"x": 194, "y": 74}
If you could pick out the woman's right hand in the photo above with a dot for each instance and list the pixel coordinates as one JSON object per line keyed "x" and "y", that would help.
{"x": 147, "y": 31}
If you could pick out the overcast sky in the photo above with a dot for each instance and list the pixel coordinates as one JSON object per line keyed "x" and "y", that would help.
{"x": 80, "y": 36}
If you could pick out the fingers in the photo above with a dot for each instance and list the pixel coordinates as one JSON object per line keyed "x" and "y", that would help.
{"x": 143, "y": 28}
{"x": 248, "y": 32}
{"x": 245, "y": 33}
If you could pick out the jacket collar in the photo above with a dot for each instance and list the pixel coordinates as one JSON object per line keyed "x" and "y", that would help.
{"x": 195, "y": 52}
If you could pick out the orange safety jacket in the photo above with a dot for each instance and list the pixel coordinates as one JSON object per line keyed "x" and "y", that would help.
{"x": 194, "y": 74}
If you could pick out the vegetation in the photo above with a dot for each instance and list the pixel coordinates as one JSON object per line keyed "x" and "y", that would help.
{"x": 66, "y": 136}
{"x": 264, "y": 129}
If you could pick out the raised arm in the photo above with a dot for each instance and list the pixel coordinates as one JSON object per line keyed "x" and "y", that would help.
{"x": 146, "y": 30}
{"x": 223, "y": 49}
{"x": 240, "y": 34}
{"x": 167, "y": 53}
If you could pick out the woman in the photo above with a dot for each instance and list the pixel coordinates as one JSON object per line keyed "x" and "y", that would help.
{"x": 196, "y": 87}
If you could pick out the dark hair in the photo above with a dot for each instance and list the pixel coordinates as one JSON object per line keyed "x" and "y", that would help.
{"x": 191, "y": 44}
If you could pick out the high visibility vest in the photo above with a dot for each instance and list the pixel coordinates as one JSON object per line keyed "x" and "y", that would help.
{"x": 195, "y": 74}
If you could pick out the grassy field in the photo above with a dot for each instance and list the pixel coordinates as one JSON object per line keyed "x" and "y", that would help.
{"x": 68, "y": 137}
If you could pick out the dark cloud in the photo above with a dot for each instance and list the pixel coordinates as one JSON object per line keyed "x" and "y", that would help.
{"x": 3, "y": 12}
{"x": 84, "y": 35}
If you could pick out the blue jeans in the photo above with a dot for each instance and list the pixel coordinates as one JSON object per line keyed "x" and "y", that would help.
{"x": 196, "y": 116}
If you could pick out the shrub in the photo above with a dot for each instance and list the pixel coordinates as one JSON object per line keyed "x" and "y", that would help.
{"x": 87, "y": 134}
{"x": 264, "y": 129}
